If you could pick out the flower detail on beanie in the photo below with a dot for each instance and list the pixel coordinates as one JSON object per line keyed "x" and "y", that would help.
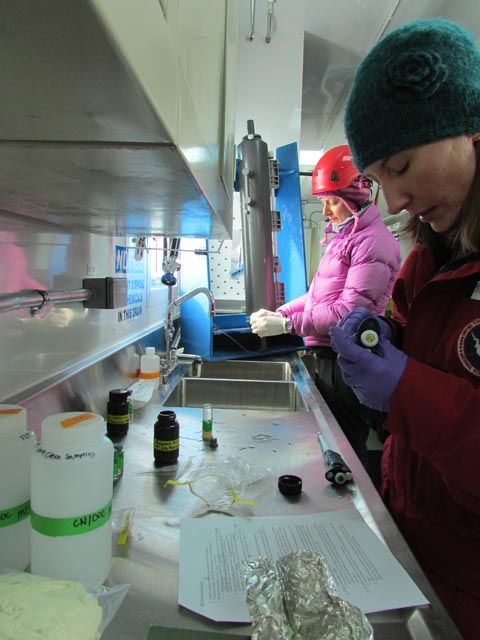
{"x": 414, "y": 75}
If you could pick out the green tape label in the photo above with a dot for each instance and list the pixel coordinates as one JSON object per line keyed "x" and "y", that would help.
{"x": 15, "y": 514}
{"x": 59, "y": 527}
{"x": 123, "y": 419}
{"x": 166, "y": 445}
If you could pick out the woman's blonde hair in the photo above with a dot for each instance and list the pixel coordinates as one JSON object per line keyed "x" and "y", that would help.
{"x": 465, "y": 238}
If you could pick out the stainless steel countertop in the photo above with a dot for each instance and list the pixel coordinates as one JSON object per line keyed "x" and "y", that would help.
{"x": 149, "y": 560}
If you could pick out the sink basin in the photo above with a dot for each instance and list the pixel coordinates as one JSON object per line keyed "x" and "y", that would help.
{"x": 243, "y": 369}
{"x": 279, "y": 395}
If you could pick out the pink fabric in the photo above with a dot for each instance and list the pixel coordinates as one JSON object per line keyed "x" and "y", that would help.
{"x": 354, "y": 196}
{"x": 344, "y": 246}
{"x": 362, "y": 277}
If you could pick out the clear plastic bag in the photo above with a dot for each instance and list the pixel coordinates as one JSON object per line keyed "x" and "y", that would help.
{"x": 20, "y": 591}
{"x": 221, "y": 486}
{"x": 122, "y": 521}
{"x": 110, "y": 599}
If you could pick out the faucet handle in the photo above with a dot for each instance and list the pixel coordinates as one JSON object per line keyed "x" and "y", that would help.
{"x": 197, "y": 366}
{"x": 165, "y": 369}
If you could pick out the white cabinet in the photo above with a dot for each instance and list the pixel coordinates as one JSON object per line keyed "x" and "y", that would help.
{"x": 206, "y": 41}
{"x": 143, "y": 38}
{"x": 119, "y": 117}
{"x": 184, "y": 54}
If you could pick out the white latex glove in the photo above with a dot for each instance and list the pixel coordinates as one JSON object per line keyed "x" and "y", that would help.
{"x": 271, "y": 325}
{"x": 261, "y": 313}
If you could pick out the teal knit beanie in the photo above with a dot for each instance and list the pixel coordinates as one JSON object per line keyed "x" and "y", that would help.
{"x": 419, "y": 84}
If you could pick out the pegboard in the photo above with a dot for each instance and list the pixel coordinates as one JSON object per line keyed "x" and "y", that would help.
{"x": 228, "y": 290}
{"x": 227, "y": 286}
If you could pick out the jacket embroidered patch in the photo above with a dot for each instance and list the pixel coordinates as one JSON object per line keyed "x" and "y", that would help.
{"x": 468, "y": 347}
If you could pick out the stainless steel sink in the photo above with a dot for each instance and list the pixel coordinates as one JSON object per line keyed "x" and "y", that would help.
{"x": 278, "y": 395}
{"x": 242, "y": 369}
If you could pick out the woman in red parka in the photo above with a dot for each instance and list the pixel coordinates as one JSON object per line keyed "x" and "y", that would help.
{"x": 420, "y": 86}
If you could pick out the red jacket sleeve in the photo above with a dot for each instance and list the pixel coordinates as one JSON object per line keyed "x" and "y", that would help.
{"x": 436, "y": 414}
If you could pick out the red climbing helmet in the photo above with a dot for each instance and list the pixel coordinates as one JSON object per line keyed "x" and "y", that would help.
{"x": 334, "y": 171}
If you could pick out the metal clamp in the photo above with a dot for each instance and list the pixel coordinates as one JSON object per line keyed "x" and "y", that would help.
{"x": 35, "y": 309}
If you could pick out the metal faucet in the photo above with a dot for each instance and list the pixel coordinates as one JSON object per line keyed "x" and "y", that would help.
{"x": 169, "y": 363}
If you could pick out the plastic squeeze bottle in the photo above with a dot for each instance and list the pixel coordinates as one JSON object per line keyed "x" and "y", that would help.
{"x": 72, "y": 488}
{"x": 150, "y": 367}
{"x": 16, "y": 446}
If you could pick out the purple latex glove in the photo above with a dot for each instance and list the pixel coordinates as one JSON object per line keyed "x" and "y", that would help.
{"x": 372, "y": 376}
{"x": 351, "y": 321}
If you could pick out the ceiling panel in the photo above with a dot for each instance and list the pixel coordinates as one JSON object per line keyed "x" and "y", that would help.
{"x": 338, "y": 35}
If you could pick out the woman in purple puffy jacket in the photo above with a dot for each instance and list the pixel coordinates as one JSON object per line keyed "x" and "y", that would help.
{"x": 361, "y": 261}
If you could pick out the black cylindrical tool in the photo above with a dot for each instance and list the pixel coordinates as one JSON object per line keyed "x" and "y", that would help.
{"x": 337, "y": 471}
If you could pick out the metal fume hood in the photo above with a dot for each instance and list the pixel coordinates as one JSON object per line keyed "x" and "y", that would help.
{"x": 81, "y": 143}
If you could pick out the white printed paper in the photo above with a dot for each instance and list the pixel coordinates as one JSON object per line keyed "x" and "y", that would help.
{"x": 212, "y": 550}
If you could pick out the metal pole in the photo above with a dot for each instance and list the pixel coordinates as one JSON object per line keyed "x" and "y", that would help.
{"x": 254, "y": 176}
{"x": 37, "y": 298}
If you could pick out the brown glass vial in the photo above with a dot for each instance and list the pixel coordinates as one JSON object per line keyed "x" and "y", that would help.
{"x": 166, "y": 438}
{"x": 118, "y": 410}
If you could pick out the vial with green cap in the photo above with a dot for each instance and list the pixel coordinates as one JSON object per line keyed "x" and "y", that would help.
{"x": 207, "y": 422}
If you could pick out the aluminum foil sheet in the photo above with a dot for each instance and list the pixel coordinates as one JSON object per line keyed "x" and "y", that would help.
{"x": 295, "y": 598}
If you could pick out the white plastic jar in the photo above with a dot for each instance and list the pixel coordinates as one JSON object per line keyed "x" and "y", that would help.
{"x": 72, "y": 486}
{"x": 16, "y": 446}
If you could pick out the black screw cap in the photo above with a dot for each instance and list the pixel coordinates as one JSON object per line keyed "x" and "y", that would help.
{"x": 290, "y": 485}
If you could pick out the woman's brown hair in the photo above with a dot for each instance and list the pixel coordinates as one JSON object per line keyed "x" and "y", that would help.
{"x": 465, "y": 238}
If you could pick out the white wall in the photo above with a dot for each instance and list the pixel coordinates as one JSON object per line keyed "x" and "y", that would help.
{"x": 269, "y": 92}
{"x": 269, "y": 86}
